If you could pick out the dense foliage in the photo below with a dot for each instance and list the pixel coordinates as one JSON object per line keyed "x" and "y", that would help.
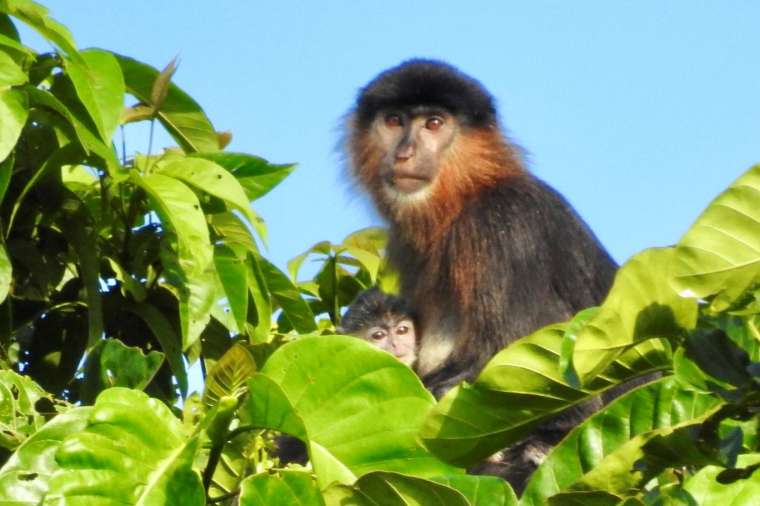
{"x": 118, "y": 271}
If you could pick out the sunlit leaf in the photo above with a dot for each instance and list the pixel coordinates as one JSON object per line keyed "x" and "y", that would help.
{"x": 706, "y": 489}
{"x": 10, "y": 73}
{"x": 358, "y": 408}
{"x": 395, "y": 489}
{"x": 720, "y": 253}
{"x": 100, "y": 87}
{"x": 19, "y": 416}
{"x": 133, "y": 451}
{"x": 232, "y": 270}
{"x": 256, "y": 175}
{"x": 481, "y": 490}
{"x": 13, "y": 114}
{"x": 286, "y": 488}
{"x": 24, "y": 478}
{"x": 194, "y": 275}
{"x": 160, "y": 88}
{"x": 36, "y": 16}
{"x": 641, "y": 305}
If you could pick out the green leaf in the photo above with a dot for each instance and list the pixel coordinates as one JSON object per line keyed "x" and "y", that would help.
{"x": 229, "y": 376}
{"x": 520, "y": 387}
{"x": 182, "y": 117}
{"x": 214, "y": 180}
{"x": 193, "y": 275}
{"x": 13, "y": 113}
{"x": 601, "y": 441}
{"x": 358, "y": 408}
{"x": 641, "y": 305}
{"x": 481, "y": 490}
{"x": 720, "y": 254}
{"x": 164, "y": 333}
{"x": 706, "y": 489}
{"x": 99, "y": 84}
{"x": 19, "y": 416}
{"x": 294, "y": 264}
{"x": 261, "y": 301}
{"x": 287, "y": 296}
{"x": 111, "y": 363}
{"x": 233, "y": 271}
{"x": 10, "y": 73}
{"x": 6, "y": 272}
{"x": 395, "y": 489}
{"x": 255, "y": 175}
{"x": 24, "y": 478}
{"x": 133, "y": 451}
{"x": 36, "y": 16}
{"x": 233, "y": 230}
{"x": 286, "y": 488}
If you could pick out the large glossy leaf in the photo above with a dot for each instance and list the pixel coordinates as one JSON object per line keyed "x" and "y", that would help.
{"x": 658, "y": 405}
{"x": 111, "y": 363}
{"x": 481, "y": 490}
{"x": 133, "y": 451}
{"x": 209, "y": 177}
{"x": 256, "y": 175}
{"x": 287, "y": 296}
{"x": 24, "y": 478}
{"x": 357, "y": 408}
{"x": 395, "y": 489}
{"x": 13, "y": 114}
{"x": 182, "y": 117}
{"x": 194, "y": 275}
{"x": 720, "y": 253}
{"x": 36, "y": 16}
{"x": 286, "y": 488}
{"x": 99, "y": 84}
{"x": 19, "y": 416}
{"x": 521, "y": 386}
{"x": 641, "y": 305}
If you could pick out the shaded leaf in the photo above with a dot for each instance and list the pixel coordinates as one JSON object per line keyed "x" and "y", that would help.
{"x": 287, "y": 296}
{"x": 232, "y": 270}
{"x": 657, "y": 406}
{"x": 520, "y": 387}
{"x": 182, "y": 117}
{"x": 391, "y": 489}
{"x": 229, "y": 375}
{"x": 111, "y": 363}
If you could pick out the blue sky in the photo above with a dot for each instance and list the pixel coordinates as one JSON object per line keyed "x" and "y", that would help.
{"x": 638, "y": 112}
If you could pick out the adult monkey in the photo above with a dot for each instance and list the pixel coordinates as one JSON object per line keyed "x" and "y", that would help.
{"x": 486, "y": 252}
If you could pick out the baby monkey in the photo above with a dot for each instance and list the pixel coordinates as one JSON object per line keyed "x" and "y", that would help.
{"x": 385, "y": 321}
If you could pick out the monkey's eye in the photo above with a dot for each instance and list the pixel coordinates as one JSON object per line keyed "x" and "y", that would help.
{"x": 393, "y": 120}
{"x": 402, "y": 329}
{"x": 377, "y": 335}
{"x": 434, "y": 123}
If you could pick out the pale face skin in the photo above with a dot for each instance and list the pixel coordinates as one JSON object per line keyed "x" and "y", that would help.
{"x": 414, "y": 143}
{"x": 397, "y": 338}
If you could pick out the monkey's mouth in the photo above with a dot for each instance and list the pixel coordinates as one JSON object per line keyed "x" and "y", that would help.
{"x": 408, "y": 183}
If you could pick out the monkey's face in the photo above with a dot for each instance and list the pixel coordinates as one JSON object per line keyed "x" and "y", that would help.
{"x": 397, "y": 338}
{"x": 412, "y": 143}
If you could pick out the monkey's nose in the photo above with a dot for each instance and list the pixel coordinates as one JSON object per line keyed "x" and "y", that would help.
{"x": 404, "y": 151}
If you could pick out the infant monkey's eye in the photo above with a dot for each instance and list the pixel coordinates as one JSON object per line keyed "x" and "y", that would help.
{"x": 377, "y": 335}
{"x": 402, "y": 329}
{"x": 434, "y": 123}
{"x": 393, "y": 120}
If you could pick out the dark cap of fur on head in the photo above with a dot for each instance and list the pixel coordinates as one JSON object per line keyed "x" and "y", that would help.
{"x": 371, "y": 305}
{"x": 427, "y": 83}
